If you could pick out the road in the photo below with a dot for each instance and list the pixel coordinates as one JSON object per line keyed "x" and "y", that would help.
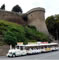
{"x": 44, "y": 56}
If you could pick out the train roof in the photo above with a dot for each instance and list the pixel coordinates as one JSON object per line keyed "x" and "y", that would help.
{"x": 41, "y": 44}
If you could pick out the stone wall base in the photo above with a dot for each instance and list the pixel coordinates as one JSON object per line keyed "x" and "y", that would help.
{"x": 4, "y": 50}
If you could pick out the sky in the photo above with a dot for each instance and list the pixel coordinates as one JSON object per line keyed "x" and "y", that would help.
{"x": 51, "y": 6}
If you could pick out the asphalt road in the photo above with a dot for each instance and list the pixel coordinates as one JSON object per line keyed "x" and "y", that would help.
{"x": 44, "y": 56}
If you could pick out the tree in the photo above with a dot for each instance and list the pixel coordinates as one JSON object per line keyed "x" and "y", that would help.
{"x": 17, "y": 9}
{"x": 52, "y": 23}
{"x": 10, "y": 39}
{"x": 3, "y": 7}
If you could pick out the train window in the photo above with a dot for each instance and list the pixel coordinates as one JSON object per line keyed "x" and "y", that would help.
{"x": 26, "y": 48}
{"x": 45, "y": 46}
{"x": 49, "y": 46}
{"x": 42, "y": 47}
{"x": 21, "y": 47}
{"x": 17, "y": 47}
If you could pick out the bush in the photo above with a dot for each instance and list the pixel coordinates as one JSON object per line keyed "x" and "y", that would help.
{"x": 32, "y": 34}
{"x": 14, "y": 33}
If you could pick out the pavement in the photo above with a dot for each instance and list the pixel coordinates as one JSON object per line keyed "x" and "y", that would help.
{"x": 42, "y": 56}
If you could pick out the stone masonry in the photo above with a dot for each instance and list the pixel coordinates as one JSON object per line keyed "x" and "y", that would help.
{"x": 36, "y": 17}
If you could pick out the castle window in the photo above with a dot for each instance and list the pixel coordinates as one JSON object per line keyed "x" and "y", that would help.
{"x": 31, "y": 14}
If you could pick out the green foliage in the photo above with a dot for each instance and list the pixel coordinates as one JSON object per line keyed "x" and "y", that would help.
{"x": 17, "y": 9}
{"x": 9, "y": 38}
{"x": 14, "y": 33}
{"x": 3, "y": 7}
{"x": 53, "y": 25}
{"x": 43, "y": 37}
{"x": 33, "y": 35}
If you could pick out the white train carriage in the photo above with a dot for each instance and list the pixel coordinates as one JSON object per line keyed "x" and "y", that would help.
{"x": 18, "y": 51}
{"x": 32, "y": 49}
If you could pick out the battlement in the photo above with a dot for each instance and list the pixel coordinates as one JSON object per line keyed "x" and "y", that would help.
{"x": 11, "y": 16}
{"x": 10, "y": 12}
{"x": 36, "y": 9}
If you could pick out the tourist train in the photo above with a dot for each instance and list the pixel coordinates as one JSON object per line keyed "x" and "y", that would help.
{"x": 33, "y": 48}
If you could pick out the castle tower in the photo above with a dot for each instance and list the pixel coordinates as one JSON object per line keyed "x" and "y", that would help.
{"x": 36, "y": 17}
